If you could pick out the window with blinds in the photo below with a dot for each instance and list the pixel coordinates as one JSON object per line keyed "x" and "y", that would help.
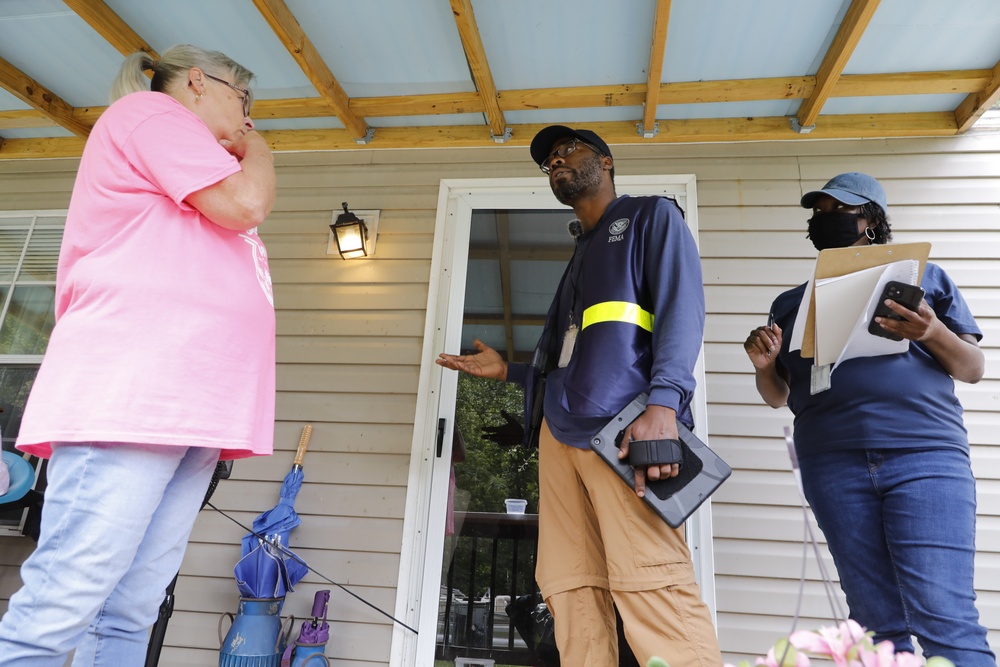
{"x": 29, "y": 252}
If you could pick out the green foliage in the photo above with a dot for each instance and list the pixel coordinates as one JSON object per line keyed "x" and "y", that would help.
{"x": 492, "y": 471}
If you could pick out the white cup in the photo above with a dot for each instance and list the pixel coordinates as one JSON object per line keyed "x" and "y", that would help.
{"x": 515, "y": 505}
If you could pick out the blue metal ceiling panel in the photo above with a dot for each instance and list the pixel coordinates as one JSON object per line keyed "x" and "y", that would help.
{"x": 234, "y": 27}
{"x": 533, "y": 283}
{"x": 36, "y": 133}
{"x": 482, "y": 291}
{"x": 711, "y": 40}
{"x": 542, "y": 227}
{"x": 390, "y": 47}
{"x": 492, "y": 335}
{"x": 763, "y": 109}
{"x": 892, "y": 104}
{"x": 51, "y": 44}
{"x": 534, "y": 44}
{"x": 483, "y": 227}
{"x": 9, "y": 102}
{"x": 907, "y": 36}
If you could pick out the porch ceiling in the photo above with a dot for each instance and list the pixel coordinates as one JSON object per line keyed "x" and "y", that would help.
{"x": 431, "y": 73}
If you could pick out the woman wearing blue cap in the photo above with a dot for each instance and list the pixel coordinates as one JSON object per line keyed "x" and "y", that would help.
{"x": 884, "y": 453}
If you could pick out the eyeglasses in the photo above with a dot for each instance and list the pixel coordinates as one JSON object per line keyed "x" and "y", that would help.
{"x": 564, "y": 151}
{"x": 247, "y": 95}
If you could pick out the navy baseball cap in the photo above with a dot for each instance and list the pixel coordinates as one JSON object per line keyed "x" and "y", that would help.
{"x": 541, "y": 145}
{"x": 853, "y": 189}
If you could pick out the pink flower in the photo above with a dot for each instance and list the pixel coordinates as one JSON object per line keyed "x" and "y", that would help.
{"x": 882, "y": 655}
{"x": 847, "y": 645}
{"x": 840, "y": 643}
{"x": 783, "y": 654}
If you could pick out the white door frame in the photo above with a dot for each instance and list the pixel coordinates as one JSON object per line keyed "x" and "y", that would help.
{"x": 418, "y": 588}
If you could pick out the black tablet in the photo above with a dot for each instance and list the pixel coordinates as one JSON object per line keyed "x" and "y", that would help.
{"x": 674, "y": 499}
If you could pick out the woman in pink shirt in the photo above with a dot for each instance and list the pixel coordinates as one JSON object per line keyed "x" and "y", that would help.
{"x": 161, "y": 361}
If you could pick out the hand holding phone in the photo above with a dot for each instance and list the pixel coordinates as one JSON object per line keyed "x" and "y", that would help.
{"x": 906, "y": 295}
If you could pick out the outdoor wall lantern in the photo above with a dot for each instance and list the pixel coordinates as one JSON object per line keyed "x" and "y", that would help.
{"x": 353, "y": 234}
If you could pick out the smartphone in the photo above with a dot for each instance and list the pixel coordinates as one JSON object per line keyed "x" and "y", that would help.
{"x": 907, "y": 295}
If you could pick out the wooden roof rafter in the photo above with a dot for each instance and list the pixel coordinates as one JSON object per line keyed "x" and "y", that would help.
{"x": 293, "y": 37}
{"x": 855, "y": 22}
{"x": 40, "y": 98}
{"x": 976, "y": 104}
{"x": 110, "y": 26}
{"x": 479, "y": 66}
{"x": 654, "y": 73}
{"x": 774, "y": 128}
{"x": 692, "y": 92}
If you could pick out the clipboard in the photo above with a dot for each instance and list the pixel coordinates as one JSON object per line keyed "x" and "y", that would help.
{"x": 676, "y": 498}
{"x": 835, "y": 262}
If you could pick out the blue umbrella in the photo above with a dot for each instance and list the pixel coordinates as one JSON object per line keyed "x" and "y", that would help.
{"x": 267, "y": 568}
{"x": 269, "y": 571}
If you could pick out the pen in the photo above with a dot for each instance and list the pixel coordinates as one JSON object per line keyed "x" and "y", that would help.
{"x": 770, "y": 324}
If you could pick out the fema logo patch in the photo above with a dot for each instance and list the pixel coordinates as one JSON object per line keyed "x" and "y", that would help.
{"x": 619, "y": 226}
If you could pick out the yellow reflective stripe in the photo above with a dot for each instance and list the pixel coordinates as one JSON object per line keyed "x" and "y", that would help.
{"x": 618, "y": 311}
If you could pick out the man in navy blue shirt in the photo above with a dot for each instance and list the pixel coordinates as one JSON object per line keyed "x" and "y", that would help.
{"x": 627, "y": 318}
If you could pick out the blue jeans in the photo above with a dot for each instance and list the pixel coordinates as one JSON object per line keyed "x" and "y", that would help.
{"x": 901, "y": 526}
{"x": 115, "y": 524}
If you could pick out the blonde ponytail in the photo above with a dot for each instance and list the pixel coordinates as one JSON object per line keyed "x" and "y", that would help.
{"x": 171, "y": 67}
{"x": 131, "y": 77}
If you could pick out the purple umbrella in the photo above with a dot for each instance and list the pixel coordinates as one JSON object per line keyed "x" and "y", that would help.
{"x": 310, "y": 647}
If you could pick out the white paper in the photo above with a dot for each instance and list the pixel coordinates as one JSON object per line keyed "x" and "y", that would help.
{"x": 840, "y": 302}
{"x": 799, "y": 328}
{"x": 865, "y": 344}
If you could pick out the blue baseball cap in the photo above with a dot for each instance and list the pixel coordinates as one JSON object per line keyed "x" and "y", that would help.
{"x": 853, "y": 189}
{"x": 541, "y": 145}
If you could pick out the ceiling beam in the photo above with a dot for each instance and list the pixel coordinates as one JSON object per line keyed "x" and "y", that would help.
{"x": 418, "y": 105}
{"x": 691, "y": 92}
{"x": 775, "y": 128}
{"x": 287, "y": 28}
{"x": 472, "y": 42}
{"x": 975, "y": 105}
{"x": 658, "y": 46}
{"x": 32, "y": 93}
{"x": 110, "y": 26}
{"x": 24, "y": 118}
{"x": 46, "y": 147}
{"x": 858, "y": 16}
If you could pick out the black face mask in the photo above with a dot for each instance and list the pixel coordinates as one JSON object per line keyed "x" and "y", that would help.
{"x": 833, "y": 229}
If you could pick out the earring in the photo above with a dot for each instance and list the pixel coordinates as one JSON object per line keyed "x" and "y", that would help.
{"x": 870, "y": 233}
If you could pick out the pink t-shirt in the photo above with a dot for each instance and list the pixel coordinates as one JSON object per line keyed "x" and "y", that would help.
{"x": 164, "y": 320}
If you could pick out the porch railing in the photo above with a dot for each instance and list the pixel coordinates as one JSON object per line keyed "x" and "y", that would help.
{"x": 480, "y": 628}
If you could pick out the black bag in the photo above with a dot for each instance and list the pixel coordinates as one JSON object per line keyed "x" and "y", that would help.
{"x": 531, "y": 618}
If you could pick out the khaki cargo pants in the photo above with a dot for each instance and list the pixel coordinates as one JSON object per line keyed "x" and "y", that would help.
{"x": 599, "y": 542}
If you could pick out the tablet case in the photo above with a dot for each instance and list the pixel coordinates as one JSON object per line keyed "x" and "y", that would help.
{"x": 676, "y": 498}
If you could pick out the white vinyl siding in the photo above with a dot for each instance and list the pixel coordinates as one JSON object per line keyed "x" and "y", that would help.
{"x": 349, "y": 345}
